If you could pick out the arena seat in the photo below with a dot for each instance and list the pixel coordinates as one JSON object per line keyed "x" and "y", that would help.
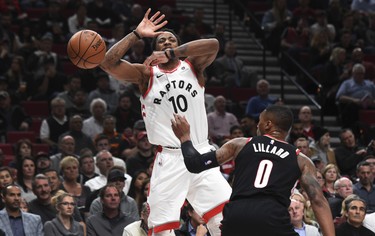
{"x": 14, "y": 136}
{"x": 36, "y": 109}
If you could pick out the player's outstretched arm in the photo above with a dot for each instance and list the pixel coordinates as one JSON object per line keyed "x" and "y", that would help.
{"x": 196, "y": 162}
{"x": 121, "y": 69}
{"x": 319, "y": 203}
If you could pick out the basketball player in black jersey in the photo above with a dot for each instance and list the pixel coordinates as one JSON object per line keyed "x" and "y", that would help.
{"x": 267, "y": 169}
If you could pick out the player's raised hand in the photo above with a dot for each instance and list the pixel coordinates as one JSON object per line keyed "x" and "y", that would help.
{"x": 148, "y": 26}
{"x": 181, "y": 127}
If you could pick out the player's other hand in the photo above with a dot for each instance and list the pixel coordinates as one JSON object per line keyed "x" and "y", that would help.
{"x": 148, "y": 26}
{"x": 181, "y": 127}
{"x": 156, "y": 58}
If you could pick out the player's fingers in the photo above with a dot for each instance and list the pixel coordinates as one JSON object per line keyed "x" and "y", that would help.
{"x": 155, "y": 16}
{"x": 160, "y": 18}
{"x": 147, "y": 13}
{"x": 161, "y": 25}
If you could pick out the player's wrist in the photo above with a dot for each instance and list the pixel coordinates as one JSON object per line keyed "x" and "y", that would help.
{"x": 137, "y": 34}
{"x": 170, "y": 54}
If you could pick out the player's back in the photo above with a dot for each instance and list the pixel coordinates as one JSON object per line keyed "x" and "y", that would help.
{"x": 266, "y": 167}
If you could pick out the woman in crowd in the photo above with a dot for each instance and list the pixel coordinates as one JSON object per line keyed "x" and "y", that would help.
{"x": 25, "y": 175}
{"x": 135, "y": 190}
{"x": 70, "y": 170}
{"x": 330, "y": 175}
{"x": 22, "y": 149}
{"x": 63, "y": 224}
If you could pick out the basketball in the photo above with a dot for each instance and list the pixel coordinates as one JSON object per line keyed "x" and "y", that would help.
{"x": 86, "y": 49}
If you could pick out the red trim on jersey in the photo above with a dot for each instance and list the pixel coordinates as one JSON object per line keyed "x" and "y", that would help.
{"x": 249, "y": 139}
{"x": 150, "y": 82}
{"x": 172, "y": 70}
{"x": 166, "y": 226}
{"x": 298, "y": 152}
{"x": 192, "y": 69}
{"x": 275, "y": 138}
{"x": 213, "y": 212}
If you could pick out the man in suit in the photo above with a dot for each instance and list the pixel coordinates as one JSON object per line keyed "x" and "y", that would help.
{"x": 13, "y": 221}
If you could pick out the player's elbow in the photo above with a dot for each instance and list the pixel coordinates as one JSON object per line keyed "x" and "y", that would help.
{"x": 192, "y": 166}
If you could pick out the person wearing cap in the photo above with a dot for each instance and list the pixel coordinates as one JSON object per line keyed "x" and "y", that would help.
{"x": 42, "y": 161}
{"x": 12, "y": 117}
{"x": 111, "y": 220}
{"x": 128, "y": 205}
{"x": 321, "y": 148}
{"x": 144, "y": 153}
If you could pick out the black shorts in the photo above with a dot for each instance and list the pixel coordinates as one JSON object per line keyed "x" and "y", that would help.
{"x": 256, "y": 217}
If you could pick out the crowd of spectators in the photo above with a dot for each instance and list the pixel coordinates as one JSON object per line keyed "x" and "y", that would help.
{"x": 95, "y": 176}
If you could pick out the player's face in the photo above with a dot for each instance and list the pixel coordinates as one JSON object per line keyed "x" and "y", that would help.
{"x": 166, "y": 40}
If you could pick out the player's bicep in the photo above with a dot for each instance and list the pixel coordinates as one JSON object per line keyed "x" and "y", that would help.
{"x": 125, "y": 71}
{"x": 230, "y": 150}
{"x": 308, "y": 178}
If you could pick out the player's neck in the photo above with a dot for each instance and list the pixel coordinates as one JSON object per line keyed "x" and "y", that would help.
{"x": 170, "y": 65}
{"x": 277, "y": 134}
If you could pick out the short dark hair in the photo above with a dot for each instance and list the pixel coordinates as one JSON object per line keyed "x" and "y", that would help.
{"x": 153, "y": 43}
{"x": 282, "y": 116}
{"x": 102, "y": 191}
{"x": 354, "y": 198}
{"x": 4, "y": 191}
{"x": 362, "y": 163}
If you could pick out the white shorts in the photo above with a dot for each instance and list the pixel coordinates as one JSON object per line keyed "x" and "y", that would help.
{"x": 171, "y": 183}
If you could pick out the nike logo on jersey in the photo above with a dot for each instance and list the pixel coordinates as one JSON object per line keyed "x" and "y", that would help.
{"x": 158, "y": 76}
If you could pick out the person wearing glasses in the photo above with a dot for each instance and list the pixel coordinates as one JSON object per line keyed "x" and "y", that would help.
{"x": 63, "y": 224}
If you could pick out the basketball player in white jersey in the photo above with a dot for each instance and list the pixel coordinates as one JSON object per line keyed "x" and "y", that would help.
{"x": 173, "y": 86}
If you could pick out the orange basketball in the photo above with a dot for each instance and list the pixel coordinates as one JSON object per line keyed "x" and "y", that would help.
{"x": 86, "y": 49}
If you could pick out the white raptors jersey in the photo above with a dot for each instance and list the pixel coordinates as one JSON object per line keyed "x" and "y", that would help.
{"x": 176, "y": 91}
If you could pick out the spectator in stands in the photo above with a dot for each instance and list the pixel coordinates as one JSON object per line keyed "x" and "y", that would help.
{"x": 220, "y": 121}
{"x": 125, "y": 113}
{"x": 354, "y": 208}
{"x": 13, "y": 221}
{"x": 296, "y": 132}
{"x": 140, "y": 160}
{"x": 173, "y": 21}
{"x": 8, "y": 45}
{"x": 80, "y": 138}
{"x": 6, "y": 178}
{"x": 137, "y": 54}
{"x": 12, "y": 116}
{"x": 274, "y": 21}
{"x": 118, "y": 142}
{"x": 297, "y": 213}
{"x": 363, "y": 6}
{"x": 138, "y": 127}
{"x": 101, "y": 13}
{"x": 188, "y": 32}
{"x": 365, "y": 188}
{"x": 73, "y": 85}
{"x": 335, "y": 13}
{"x": 354, "y": 94}
{"x": 321, "y": 148}
{"x": 193, "y": 221}
{"x": 25, "y": 175}
{"x": 136, "y": 15}
{"x": 258, "y": 103}
{"x": 303, "y": 145}
{"x": 320, "y": 49}
{"x": 323, "y": 25}
{"x": 42, "y": 205}
{"x": 139, "y": 227}
{"x": 369, "y": 37}
{"x": 334, "y": 73}
{"x": 18, "y": 77}
{"x": 204, "y": 29}
{"x": 304, "y": 11}
{"x": 306, "y": 118}
{"x": 42, "y": 162}
{"x": 93, "y": 125}
{"x": 349, "y": 153}
{"x": 295, "y": 39}
{"x": 371, "y": 160}
{"x": 249, "y": 126}
{"x": 128, "y": 206}
{"x": 118, "y": 32}
{"x": 66, "y": 148}
{"x": 54, "y": 125}
{"x": 346, "y": 41}
{"x": 79, "y": 20}
{"x": 80, "y": 105}
{"x": 358, "y": 57}
{"x": 104, "y": 92}
{"x": 44, "y": 54}
{"x": 54, "y": 22}
{"x": 122, "y": 9}
{"x": 135, "y": 190}
{"x": 111, "y": 221}
{"x": 343, "y": 188}
{"x": 229, "y": 69}
{"x": 63, "y": 223}
{"x": 70, "y": 172}
{"x": 87, "y": 167}
{"x": 23, "y": 148}
{"x": 104, "y": 162}
{"x": 54, "y": 180}
{"x": 330, "y": 174}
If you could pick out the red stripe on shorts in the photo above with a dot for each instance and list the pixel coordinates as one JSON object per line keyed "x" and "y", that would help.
{"x": 206, "y": 217}
{"x": 167, "y": 226}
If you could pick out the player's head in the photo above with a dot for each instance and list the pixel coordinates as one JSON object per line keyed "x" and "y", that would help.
{"x": 275, "y": 118}
{"x": 160, "y": 38}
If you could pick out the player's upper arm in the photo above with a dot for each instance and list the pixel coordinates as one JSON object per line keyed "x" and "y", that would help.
{"x": 308, "y": 178}
{"x": 230, "y": 150}
{"x": 208, "y": 52}
{"x": 125, "y": 71}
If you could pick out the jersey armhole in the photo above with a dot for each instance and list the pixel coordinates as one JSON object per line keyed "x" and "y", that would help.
{"x": 149, "y": 82}
{"x": 249, "y": 139}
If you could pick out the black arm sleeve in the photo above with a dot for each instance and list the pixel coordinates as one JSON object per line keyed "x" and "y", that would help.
{"x": 196, "y": 162}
